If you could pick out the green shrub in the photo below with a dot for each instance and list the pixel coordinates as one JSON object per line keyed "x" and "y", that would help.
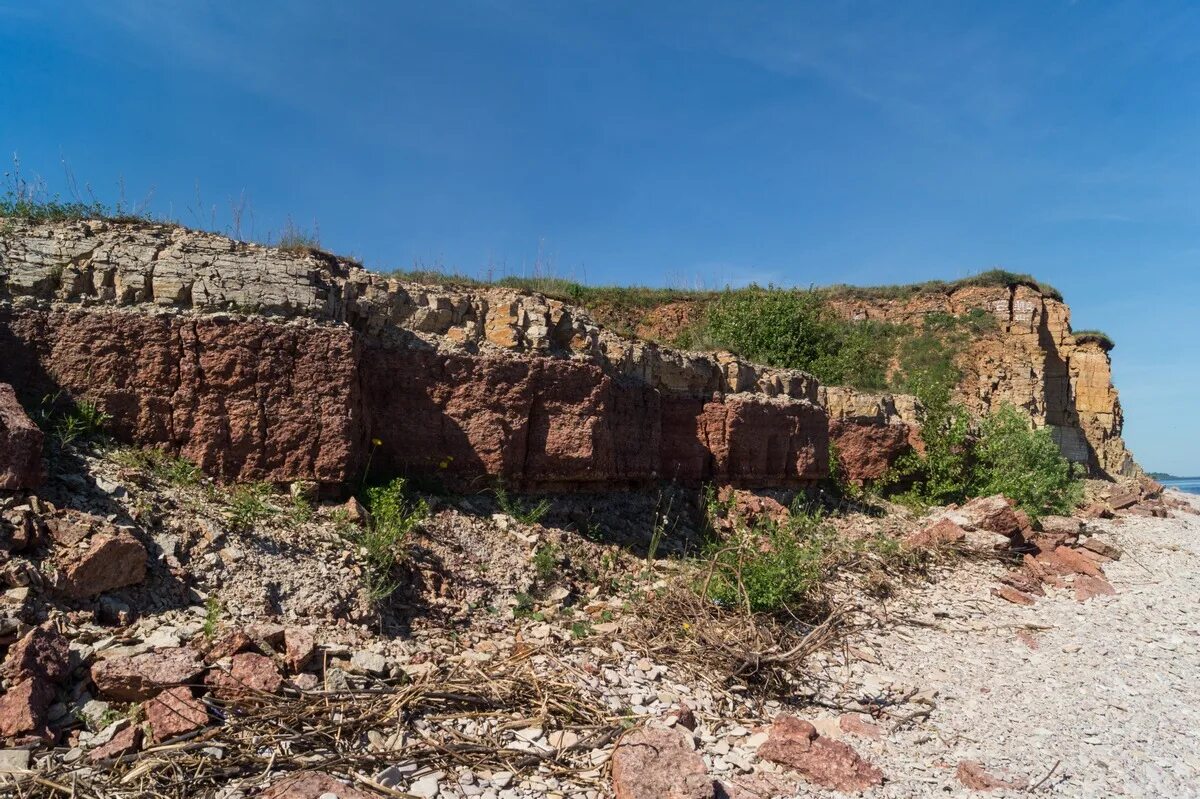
{"x": 160, "y": 464}
{"x": 771, "y": 567}
{"x": 1023, "y": 464}
{"x": 383, "y": 541}
{"x": 248, "y": 505}
{"x": 83, "y": 420}
{"x": 798, "y": 330}
{"x": 545, "y": 562}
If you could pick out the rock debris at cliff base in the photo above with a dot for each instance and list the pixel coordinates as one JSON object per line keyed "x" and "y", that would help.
{"x": 484, "y": 682}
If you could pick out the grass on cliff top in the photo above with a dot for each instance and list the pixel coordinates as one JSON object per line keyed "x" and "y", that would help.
{"x": 990, "y": 278}
{"x": 650, "y": 297}
{"x": 1095, "y": 337}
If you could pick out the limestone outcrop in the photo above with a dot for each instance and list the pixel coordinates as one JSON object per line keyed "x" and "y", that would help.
{"x": 1031, "y": 359}
{"x": 264, "y": 364}
{"x": 259, "y": 364}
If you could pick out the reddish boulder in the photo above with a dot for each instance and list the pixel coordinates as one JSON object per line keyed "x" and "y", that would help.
{"x": 43, "y": 654}
{"x": 355, "y": 511}
{"x": 312, "y": 785}
{"x": 973, "y": 776}
{"x": 994, "y": 514}
{"x": 249, "y": 672}
{"x": 1121, "y": 498}
{"x": 23, "y": 708}
{"x": 797, "y": 745}
{"x": 1102, "y": 548}
{"x": 124, "y": 742}
{"x": 942, "y": 533}
{"x": 299, "y": 647}
{"x": 20, "y": 445}
{"x": 175, "y": 712}
{"x": 750, "y": 508}
{"x": 1037, "y": 569}
{"x": 1087, "y": 586}
{"x": 1067, "y": 526}
{"x": 1022, "y": 580}
{"x": 1097, "y": 510}
{"x": 111, "y": 561}
{"x": 1067, "y": 560}
{"x": 69, "y": 527}
{"x": 1010, "y": 594}
{"x": 658, "y": 764}
{"x": 855, "y": 724}
{"x": 227, "y": 646}
{"x": 140, "y": 677}
{"x": 866, "y": 450}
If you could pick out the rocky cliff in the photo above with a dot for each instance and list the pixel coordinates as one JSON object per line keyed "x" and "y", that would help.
{"x": 263, "y": 364}
{"x": 1029, "y": 358}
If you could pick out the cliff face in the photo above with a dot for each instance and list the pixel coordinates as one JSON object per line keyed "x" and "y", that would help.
{"x": 261, "y": 364}
{"x": 1030, "y": 359}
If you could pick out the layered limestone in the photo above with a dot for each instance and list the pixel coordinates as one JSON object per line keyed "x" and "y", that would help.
{"x": 262, "y": 364}
{"x": 1031, "y": 360}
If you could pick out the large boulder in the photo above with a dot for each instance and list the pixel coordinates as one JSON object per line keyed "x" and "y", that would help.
{"x": 23, "y": 708}
{"x": 796, "y": 744}
{"x": 139, "y": 677}
{"x": 658, "y": 764}
{"x": 20, "y": 444}
{"x": 111, "y": 560}
{"x": 994, "y": 514}
{"x": 43, "y": 654}
{"x": 175, "y": 712}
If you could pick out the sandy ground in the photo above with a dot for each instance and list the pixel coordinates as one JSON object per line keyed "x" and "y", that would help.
{"x": 1109, "y": 699}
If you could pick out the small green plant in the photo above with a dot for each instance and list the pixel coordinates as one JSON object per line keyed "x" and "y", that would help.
{"x": 580, "y": 629}
{"x": 296, "y": 239}
{"x": 518, "y": 510}
{"x": 212, "y": 617}
{"x": 383, "y": 541}
{"x": 524, "y": 608}
{"x": 82, "y": 421}
{"x": 545, "y": 562}
{"x": 160, "y": 464}
{"x": 771, "y": 567}
{"x": 248, "y": 505}
{"x": 301, "y": 509}
{"x": 106, "y": 718}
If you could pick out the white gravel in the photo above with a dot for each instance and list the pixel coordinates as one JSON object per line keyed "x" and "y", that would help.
{"x": 1111, "y": 694}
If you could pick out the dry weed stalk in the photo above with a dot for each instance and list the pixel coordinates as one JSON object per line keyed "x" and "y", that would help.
{"x": 261, "y": 735}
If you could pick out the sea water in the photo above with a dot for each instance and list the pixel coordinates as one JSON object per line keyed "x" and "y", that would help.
{"x": 1189, "y": 484}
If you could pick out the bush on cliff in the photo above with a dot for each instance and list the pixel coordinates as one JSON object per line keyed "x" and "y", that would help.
{"x": 1006, "y": 455}
{"x": 1023, "y": 464}
{"x": 798, "y": 330}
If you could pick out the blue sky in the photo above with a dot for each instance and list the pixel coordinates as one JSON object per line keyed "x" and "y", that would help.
{"x": 684, "y": 144}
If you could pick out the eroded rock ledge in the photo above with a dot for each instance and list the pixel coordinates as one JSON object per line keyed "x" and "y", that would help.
{"x": 263, "y": 364}
{"x": 259, "y": 363}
